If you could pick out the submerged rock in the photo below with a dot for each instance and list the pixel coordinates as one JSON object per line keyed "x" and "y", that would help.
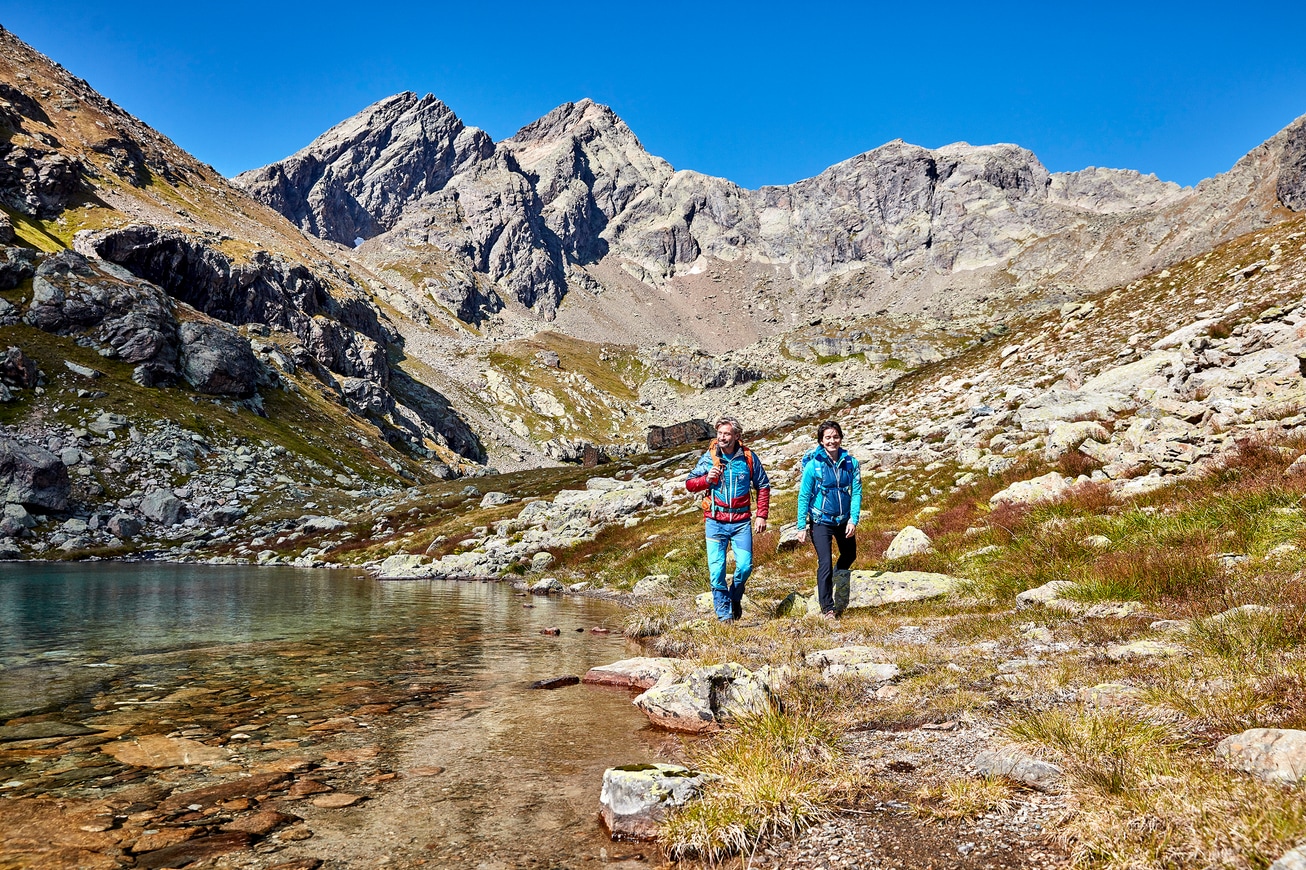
{"x": 636, "y": 673}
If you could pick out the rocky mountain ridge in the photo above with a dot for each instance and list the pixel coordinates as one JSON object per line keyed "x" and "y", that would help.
{"x": 573, "y": 205}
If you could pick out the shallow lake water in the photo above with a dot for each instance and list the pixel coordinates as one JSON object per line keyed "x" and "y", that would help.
{"x": 412, "y": 695}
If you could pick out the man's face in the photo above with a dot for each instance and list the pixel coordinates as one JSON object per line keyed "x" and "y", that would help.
{"x": 726, "y": 438}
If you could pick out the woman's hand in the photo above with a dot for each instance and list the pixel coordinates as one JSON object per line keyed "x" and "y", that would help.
{"x": 850, "y": 531}
{"x": 802, "y": 536}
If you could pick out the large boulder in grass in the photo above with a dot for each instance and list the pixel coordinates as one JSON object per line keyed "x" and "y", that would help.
{"x": 1038, "y": 490}
{"x": 878, "y": 588}
{"x": 1271, "y": 754}
{"x": 635, "y": 798}
{"x": 860, "y": 661}
{"x": 32, "y": 477}
{"x": 911, "y": 541}
{"x": 705, "y": 699}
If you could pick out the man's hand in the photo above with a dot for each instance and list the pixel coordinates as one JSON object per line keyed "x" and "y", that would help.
{"x": 760, "y": 525}
{"x": 713, "y": 474}
{"x": 802, "y": 536}
{"x": 850, "y": 531}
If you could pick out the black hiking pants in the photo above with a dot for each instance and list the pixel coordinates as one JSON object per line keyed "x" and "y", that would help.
{"x": 823, "y": 539}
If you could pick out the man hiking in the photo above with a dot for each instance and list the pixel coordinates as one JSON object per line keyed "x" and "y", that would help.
{"x": 726, "y": 474}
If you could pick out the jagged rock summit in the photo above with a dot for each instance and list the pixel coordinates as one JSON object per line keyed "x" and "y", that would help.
{"x": 573, "y": 202}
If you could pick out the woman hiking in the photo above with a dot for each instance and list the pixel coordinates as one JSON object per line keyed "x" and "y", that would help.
{"x": 830, "y": 503}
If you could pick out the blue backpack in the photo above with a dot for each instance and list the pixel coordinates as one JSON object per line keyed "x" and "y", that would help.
{"x": 826, "y": 487}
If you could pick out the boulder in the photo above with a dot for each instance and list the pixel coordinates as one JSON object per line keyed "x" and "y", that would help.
{"x": 636, "y": 673}
{"x": 402, "y": 566}
{"x": 788, "y": 537}
{"x": 651, "y": 586}
{"x": 1271, "y": 754}
{"x": 124, "y": 527}
{"x": 546, "y": 586}
{"x": 217, "y": 360}
{"x": 1066, "y": 437}
{"x": 163, "y": 507}
{"x": 494, "y": 499}
{"x": 909, "y": 542}
{"x": 704, "y": 699}
{"x": 32, "y": 477}
{"x": 859, "y": 661}
{"x": 17, "y": 370}
{"x": 1048, "y": 592}
{"x": 1038, "y": 490}
{"x": 635, "y": 798}
{"x": 1017, "y": 765}
{"x": 878, "y": 588}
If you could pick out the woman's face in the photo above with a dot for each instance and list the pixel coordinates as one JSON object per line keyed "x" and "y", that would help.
{"x": 831, "y": 439}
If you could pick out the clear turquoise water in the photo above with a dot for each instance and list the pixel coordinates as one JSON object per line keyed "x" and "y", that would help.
{"x": 434, "y": 673}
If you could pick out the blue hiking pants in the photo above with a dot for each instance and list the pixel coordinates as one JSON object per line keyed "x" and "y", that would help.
{"x": 727, "y": 601}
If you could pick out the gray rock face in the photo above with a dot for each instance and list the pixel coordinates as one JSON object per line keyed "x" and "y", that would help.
{"x": 16, "y": 266}
{"x": 347, "y": 337}
{"x": 17, "y": 370}
{"x": 354, "y": 180}
{"x": 1291, "y": 183}
{"x": 32, "y": 477}
{"x": 131, "y": 319}
{"x": 217, "y": 361}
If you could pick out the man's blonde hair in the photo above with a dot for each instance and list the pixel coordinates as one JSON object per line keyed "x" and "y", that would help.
{"x": 734, "y": 424}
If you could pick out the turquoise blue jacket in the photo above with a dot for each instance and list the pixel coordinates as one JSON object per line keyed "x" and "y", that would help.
{"x": 831, "y": 491}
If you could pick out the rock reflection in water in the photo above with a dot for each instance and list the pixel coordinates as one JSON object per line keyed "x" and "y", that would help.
{"x": 178, "y": 713}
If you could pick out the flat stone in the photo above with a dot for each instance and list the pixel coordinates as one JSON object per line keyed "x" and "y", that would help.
{"x": 877, "y": 588}
{"x": 858, "y": 661}
{"x": 1271, "y": 754}
{"x": 40, "y": 730}
{"x": 1017, "y": 765}
{"x": 163, "y": 838}
{"x": 301, "y": 788}
{"x": 259, "y": 824}
{"x": 1143, "y": 649}
{"x": 635, "y": 798}
{"x": 156, "y": 750}
{"x": 248, "y": 786}
{"x": 197, "y": 849}
{"x": 336, "y": 800}
{"x": 429, "y": 770}
{"x": 636, "y": 673}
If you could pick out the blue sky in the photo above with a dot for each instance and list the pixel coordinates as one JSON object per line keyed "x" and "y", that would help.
{"x": 760, "y": 93}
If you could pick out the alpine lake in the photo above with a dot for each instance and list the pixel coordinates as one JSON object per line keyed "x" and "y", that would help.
{"x": 157, "y": 715}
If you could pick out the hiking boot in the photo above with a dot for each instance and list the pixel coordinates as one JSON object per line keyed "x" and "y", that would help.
{"x": 736, "y": 609}
{"x": 830, "y": 615}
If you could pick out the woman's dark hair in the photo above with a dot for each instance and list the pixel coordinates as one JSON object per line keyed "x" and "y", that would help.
{"x": 828, "y": 424}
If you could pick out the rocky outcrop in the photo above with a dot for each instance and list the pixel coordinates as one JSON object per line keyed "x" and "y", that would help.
{"x": 130, "y": 319}
{"x": 347, "y": 337}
